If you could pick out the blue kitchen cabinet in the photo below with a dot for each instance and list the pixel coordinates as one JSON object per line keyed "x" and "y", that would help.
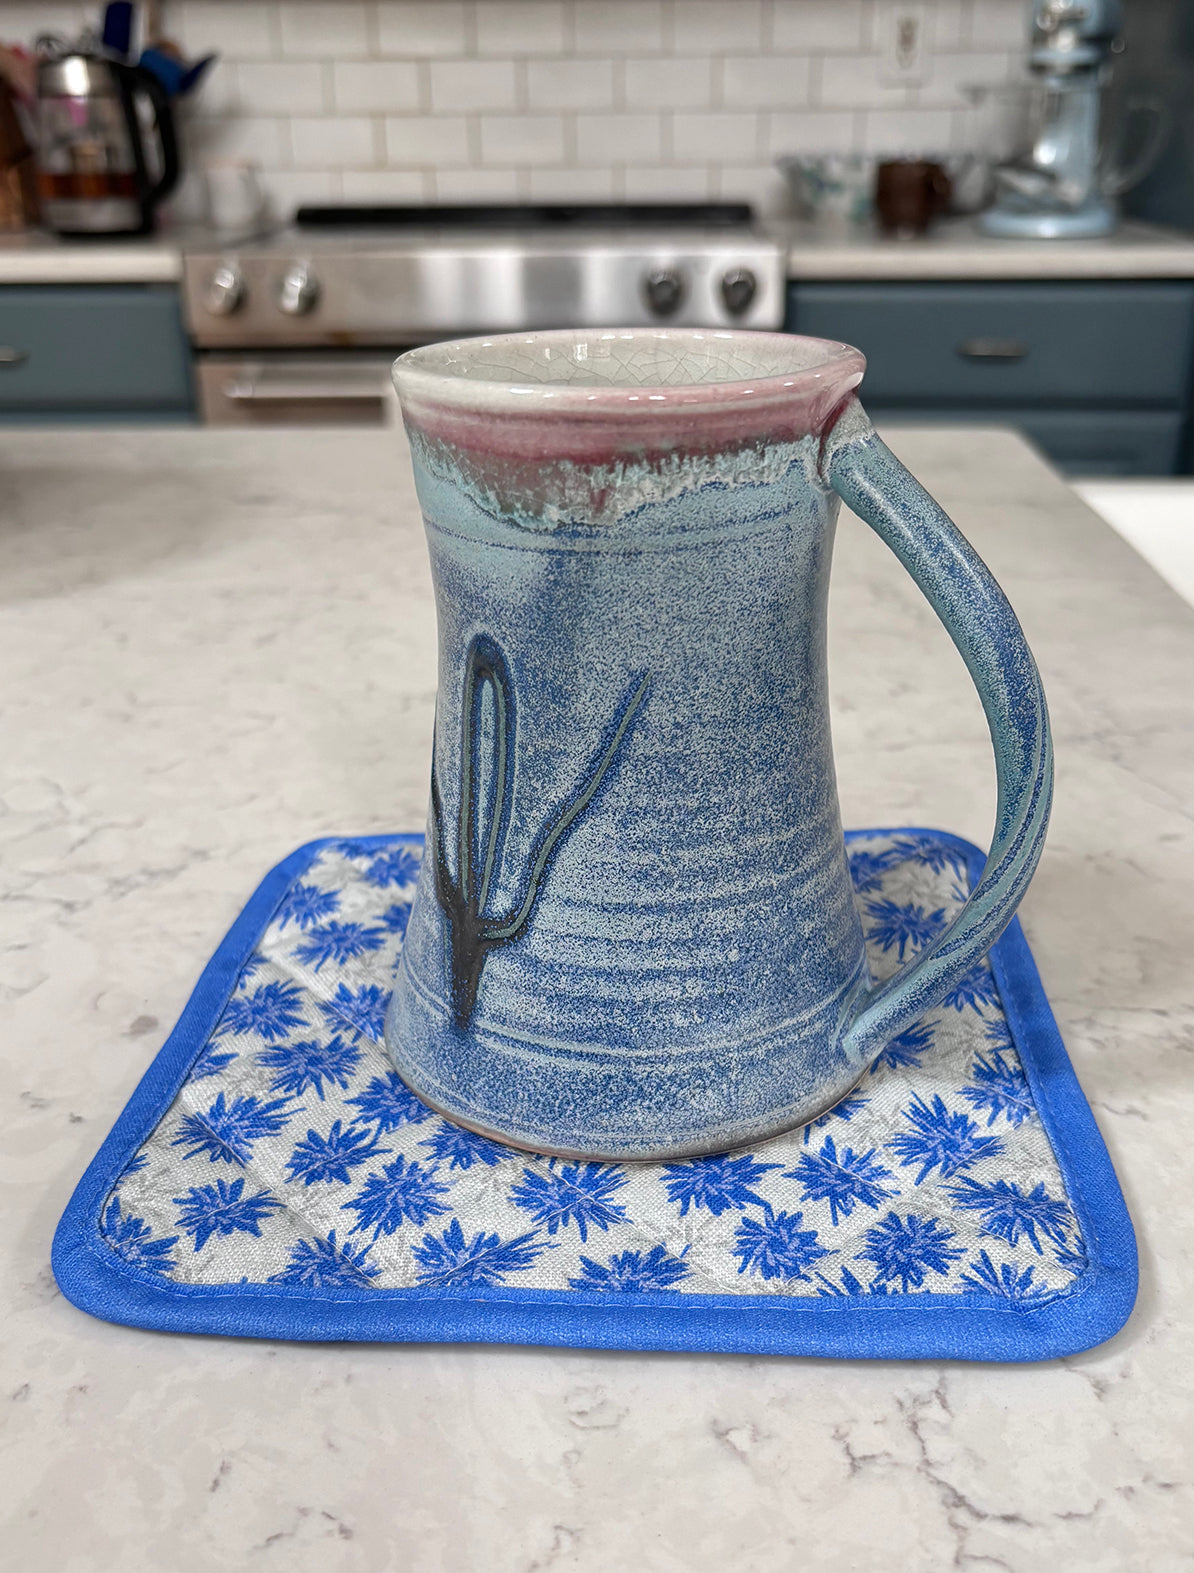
{"x": 1097, "y": 374}
{"x": 93, "y": 353}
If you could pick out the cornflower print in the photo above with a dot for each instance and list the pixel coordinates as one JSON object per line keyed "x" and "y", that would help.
{"x": 868, "y": 868}
{"x": 632, "y": 1272}
{"x": 998, "y": 1033}
{"x": 578, "y": 1193}
{"x": 984, "y": 1277}
{"x": 460, "y": 1149}
{"x": 715, "y": 1183}
{"x": 1000, "y": 1087}
{"x": 842, "y": 1179}
{"x": 321, "y": 1159}
{"x": 903, "y": 926}
{"x": 223, "y": 1208}
{"x": 402, "y": 1193}
{"x": 210, "y": 1063}
{"x": 337, "y": 942}
{"x": 227, "y": 1131}
{"x": 1072, "y": 1254}
{"x": 355, "y": 849}
{"x": 941, "y": 1139}
{"x": 1009, "y": 1214}
{"x": 906, "y": 1049}
{"x": 908, "y": 1248}
{"x": 299, "y": 1066}
{"x": 362, "y": 1011}
{"x": 322, "y": 1264}
{"x": 848, "y": 1285}
{"x": 306, "y": 905}
{"x": 388, "y": 1103}
{"x": 395, "y": 918}
{"x": 484, "y": 1260}
{"x": 853, "y": 1103}
{"x": 974, "y": 991}
{"x": 271, "y": 1011}
{"x": 132, "y": 1240}
{"x": 399, "y": 866}
{"x": 775, "y": 1246}
{"x": 931, "y": 852}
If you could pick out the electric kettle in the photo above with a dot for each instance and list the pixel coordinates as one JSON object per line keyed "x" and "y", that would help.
{"x": 107, "y": 150}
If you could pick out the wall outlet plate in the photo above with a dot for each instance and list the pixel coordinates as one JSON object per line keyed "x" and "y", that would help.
{"x": 903, "y": 43}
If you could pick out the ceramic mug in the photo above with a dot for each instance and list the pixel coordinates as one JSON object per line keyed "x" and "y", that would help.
{"x": 634, "y": 933}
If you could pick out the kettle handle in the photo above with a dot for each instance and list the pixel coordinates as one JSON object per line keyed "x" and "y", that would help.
{"x": 134, "y": 80}
{"x": 976, "y": 613}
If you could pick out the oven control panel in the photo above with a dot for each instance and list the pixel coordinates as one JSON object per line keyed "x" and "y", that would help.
{"x": 370, "y": 290}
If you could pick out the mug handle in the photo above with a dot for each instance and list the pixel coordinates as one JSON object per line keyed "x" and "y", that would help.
{"x": 976, "y": 613}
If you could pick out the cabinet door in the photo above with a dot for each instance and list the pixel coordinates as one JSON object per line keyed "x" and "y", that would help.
{"x": 92, "y": 350}
{"x": 989, "y": 344}
{"x": 1078, "y": 442}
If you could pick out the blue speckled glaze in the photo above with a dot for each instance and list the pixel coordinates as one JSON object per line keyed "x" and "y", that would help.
{"x": 635, "y": 936}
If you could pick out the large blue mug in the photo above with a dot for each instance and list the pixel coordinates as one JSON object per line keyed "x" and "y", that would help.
{"x": 634, "y": 933}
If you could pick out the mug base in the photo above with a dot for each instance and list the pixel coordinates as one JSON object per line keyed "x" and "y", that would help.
{"x": 668, "y": 1153}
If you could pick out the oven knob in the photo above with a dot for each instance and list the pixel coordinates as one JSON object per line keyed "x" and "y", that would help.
{"x": 664, "y": 289}
{"x": 299, "y": 290}
{"x": 225, "y": 290}
{"x": 738, "y": 288}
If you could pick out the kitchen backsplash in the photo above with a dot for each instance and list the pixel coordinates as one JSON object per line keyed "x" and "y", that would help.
{"x": 465, "y": 100}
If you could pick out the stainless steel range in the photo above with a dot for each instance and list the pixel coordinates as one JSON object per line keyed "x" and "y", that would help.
{"x": 300, "y": 326}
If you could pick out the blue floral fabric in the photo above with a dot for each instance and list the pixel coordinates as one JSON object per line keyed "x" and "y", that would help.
{"x": 292, "y": 1155}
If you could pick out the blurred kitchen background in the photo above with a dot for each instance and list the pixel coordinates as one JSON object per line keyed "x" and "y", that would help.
{"x": 887, "y": 172}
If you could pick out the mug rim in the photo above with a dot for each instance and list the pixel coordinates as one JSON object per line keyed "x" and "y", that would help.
{"x": 823, "y": 369}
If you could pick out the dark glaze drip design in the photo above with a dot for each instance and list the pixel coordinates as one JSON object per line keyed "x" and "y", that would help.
{"x": 472, "y": 935}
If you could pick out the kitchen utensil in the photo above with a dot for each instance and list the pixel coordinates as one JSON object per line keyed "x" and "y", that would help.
{"x": 833, "y": 190}
{"x": 107, "y": 151}
{"x": 18, "y": 191}
{"x": 1071, "y": 158}
{"x": 909, "y": 194}
{"x": 634, "y": 935}
{"x": 235, "y": 197}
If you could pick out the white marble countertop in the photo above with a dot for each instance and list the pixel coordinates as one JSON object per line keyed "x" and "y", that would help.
{"x": 957, "y": 250}
{"x": 35, "y": 257}
{"x": 217, "y": 645}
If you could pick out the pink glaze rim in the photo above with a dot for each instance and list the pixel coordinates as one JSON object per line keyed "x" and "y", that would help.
{"x": 603, "y": 422}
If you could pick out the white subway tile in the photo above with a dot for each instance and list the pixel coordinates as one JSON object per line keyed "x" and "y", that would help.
{"x": 1000, "y": 24}
{"x": 287, "y": 189}
{"x": 240, "y": 32}
{"x": 332, "y": 142}
{"x": 412, "y": 140}
{"x": 477, "y": 185}
{"x": 522, "y": 139}
{"x": 572, "y": 185}
{"x": 371, "y": 87}
{"x": 323, "y": 31}
{"x": 520, "y": 27}
{"x": 777, "y": 82}
{"x": 570, "y": 84}
{"x": 261, "y": 139}
{"x": 761, "y": 185}
{"x": 21, "y": 23}
{"x": 715, "y": 136}
{"x": 852, "y": 81}
{"x": 668, "y": 183}
{"x": 949, "y": 75}
{"x": 473, "y": 84}
{"x": 811, "y": 131}
{"x": 798, "y": 25}
{"x": 912, "y": 133}
{"x": 385, "y": 185}
{"x": 421, "y": 27}
{"x": 279, "y": 87}
{"x": 709, "y": 26}
{"x": 618, "y": 27}
{"x": 618, "y": 139}
{"x": 660, "y": 83}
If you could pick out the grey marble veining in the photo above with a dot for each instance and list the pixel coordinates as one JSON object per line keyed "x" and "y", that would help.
{"x": 205, "y": 638}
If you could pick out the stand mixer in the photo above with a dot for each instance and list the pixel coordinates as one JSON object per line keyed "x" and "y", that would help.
{"x": 1061, "y": 186}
